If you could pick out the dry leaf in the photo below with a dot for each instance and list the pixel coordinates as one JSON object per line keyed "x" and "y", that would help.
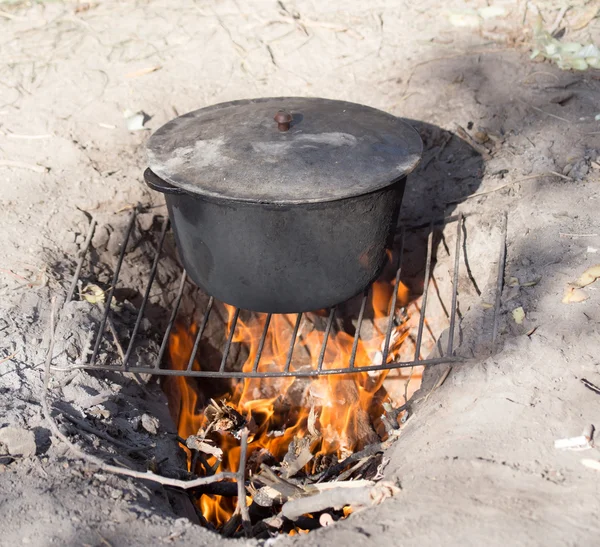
{"x": 518, "y": 315}
{"x": 93, "y": 294}
{"x": 585, "y": 17}
{"x": 134, "y": 120}
{"x": 567, "y": 55}
{"x": 589, "y": 276}
{"x": 574, "y": 295}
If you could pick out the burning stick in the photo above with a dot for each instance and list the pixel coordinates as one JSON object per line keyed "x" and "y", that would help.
{"x": 353, "y": 458}
{"x": 241, "y": 477}
{"x": 223, "y": 418}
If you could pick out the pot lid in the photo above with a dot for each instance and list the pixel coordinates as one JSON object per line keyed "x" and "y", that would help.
{"x": 331, "y": 150}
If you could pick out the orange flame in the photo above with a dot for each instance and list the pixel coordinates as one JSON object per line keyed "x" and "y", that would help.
{"x": 343, "y": 403}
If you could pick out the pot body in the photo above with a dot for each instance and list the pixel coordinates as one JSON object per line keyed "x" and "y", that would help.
{"x": 276, "y": 258}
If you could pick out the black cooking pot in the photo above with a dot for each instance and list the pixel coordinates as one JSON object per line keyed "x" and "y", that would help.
{"x": 283, "y": 205}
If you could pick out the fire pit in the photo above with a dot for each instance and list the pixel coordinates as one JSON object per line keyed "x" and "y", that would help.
{"x": 288, "y": 403}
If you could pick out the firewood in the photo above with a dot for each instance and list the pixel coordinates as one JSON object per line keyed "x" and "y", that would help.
{"x": 206, "y": 446}
{"x": 339, "y": 497}
{"x": 298, "y": 455}
{"x": 268, "y": 477}
{"x": 267, "y": 497}
{"x": 350, "y": 460}
{"x": 300, "y": 450}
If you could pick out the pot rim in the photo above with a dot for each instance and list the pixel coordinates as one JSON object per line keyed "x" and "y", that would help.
{"x": 171, "y": 190}
{"x": 187, "y": 187}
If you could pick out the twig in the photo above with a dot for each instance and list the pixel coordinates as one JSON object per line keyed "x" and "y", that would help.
{"x": 103, "y": 539}
{"x": 10, "y": 16}
{"x": 241, "y": 478}
{"x": 367, "y": 451}
{"x": 143, "y": 71}
{"x": 479, "y": 148}
{"x": 440, "y": 381}
{"x": 268, "y": 477}
{"x": 562, "y": 234}
{"x": 27, "y": 137}
{"x": 113, "y": 331}
{"x": 93, "y": 460}
{"x": 500, "y": 280}
{"x": 412, "y": 371}
{"x": 560, "y": 175}
{"x": 544, "y": 112}
{"x": 15, "y": 275}
{"x": 530, "y": 177}
{"x": 8, "y": 358}
{"x": 558, "y": 19}
{"x": 339, "y": 497}
{"x": 391, "y": 414}
{"x": 439, "y": 152}
{"x": 83, "y": 254}
{"x": 227, "y": 489}
{"x": 348, "y": 473}
{"x": 23, "y": 165}
{"x": 445, "y": 58}
{"x": 591, "y": 386}
{"x": 86, "y": 427}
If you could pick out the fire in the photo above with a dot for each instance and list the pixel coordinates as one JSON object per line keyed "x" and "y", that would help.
{"x": 338, "y": 406}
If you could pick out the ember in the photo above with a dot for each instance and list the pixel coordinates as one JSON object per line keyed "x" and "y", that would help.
{"x": 299, "y": 426}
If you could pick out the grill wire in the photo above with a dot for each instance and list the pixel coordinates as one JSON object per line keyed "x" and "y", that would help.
{"x": 158, "y": 367}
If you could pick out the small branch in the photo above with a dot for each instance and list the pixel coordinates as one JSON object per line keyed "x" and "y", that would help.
{"x": 558, "y": 19}
{"x": 93, "y": 460}
{"x": 241, "y": 478}
{"x": 544, "y": 112}
{"x": 113, "y": 331}
{"x": 353, "y": 458}
{"x": 8, "y": 358}
{"x": 339, "y": 497}
{"x": 23, "y": 165}
{"x": 591, "y": 386}
{"x": 479, "y": 148}
{"x": 227, "y": 489}
{"x": 498, "y": 188}
{"x": 89, "y": 429}
{"x": 563, "y": 234}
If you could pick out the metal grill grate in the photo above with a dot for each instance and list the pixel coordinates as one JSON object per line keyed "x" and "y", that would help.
{"x": 159, "y": 368}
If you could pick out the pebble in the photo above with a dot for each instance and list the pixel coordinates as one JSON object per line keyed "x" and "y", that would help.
{"x": 145, "y": 220}
{"x": 18, "y": 441}
{"x": 101, "y": 237}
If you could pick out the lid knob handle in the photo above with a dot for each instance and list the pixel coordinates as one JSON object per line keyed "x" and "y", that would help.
{"x": 283, "y": 119}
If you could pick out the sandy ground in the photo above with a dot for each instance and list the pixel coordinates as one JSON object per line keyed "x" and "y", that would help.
{"x": 476, "y": 461}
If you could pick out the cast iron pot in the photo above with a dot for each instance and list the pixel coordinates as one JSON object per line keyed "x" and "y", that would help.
{"x": 283, "y": 216}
